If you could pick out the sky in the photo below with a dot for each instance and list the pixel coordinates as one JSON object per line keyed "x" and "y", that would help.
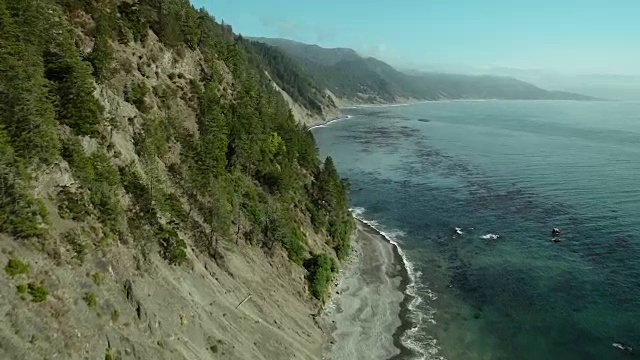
{"x": 588, "y": 46}
{"x": 572, "y": 37}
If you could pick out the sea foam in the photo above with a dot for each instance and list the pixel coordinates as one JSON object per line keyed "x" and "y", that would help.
{"x": 425, "y": 349}
{"x": 347, "y": 117}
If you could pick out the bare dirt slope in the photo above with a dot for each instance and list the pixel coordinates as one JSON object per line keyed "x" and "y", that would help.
{"x": 163, "y": 312}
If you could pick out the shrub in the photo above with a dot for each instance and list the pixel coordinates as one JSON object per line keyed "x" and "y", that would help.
{"x": 172, "y": 247}
{"x": 15, "y": 267}
{"x": 38, "y": 292}
{"x": 90, "y": 299}
{"x": 21, "y": 288}
{"x": 171, "y": 204}
{"x": 79, "y": 244}
{"x": 320, "y": 269}
{"x": 97, "y": 279}
{"x": 115, "y": 315}
{"x": 101, "y": 178}
{"x": 22, "y": 215}
{"x": 136, "y": 93}
{"x": 73, "y": 204}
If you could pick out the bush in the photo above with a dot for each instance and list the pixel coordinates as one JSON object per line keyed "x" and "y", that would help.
{"x": 25, "y": 217}
{"x": 101, "y": 178}
{"x": 79, "y": 244}
{"x": 102, "y": 54}
{"x": 38, "y": 292}
{"x": 90, "y": 299}
{"x": 15, "y": 267}
{"x": 73, "y": 205}
{"x": 21, "y": 288}
{"x": 172, "y": 247}
{"x": 97, "y": 279}
{"x": 172, "y": 205}
{"x": 136, "y": 94}
{"x": 320, "y": 269}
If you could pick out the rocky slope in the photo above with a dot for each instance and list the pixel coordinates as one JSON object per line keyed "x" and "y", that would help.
{"x": 158, "y": 199}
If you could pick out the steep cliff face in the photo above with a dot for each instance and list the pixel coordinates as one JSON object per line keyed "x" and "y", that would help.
{"x": 158, "y": 198}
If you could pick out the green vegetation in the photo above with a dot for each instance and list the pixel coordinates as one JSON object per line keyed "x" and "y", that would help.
{"x": 246, "y": 171}
{"x": 21, "y": 288}
{"x": 101, "y": 55}
{"x": 15, "y": 267}
{"x": 77, "y": 239}
{"x": 320, "y": 269}
{"x": 73, "y": 205}
{"x": 289, "y": 76}
{"x": 115, "y": 315}
{"x": 97, "y": 278}
{"x": 101, "y": 179}
{"x": 90, "y": 299}
{"x": 350, "y": 76}
{"x": 136, "y": 94}
{"x": 172, "y": 247}
{"x": 38, "y": 292}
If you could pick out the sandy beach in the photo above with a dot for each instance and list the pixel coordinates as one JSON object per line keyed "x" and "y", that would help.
{"x": 363, "y": 316}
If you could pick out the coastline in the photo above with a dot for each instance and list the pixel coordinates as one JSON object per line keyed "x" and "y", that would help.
{"x": 368, "y": 312}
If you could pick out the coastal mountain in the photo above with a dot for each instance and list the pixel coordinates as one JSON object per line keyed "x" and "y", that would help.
{"x": 356, "y": 79}
{"x": 158, "y": 199}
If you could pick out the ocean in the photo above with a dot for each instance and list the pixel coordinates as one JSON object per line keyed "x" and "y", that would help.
{"x": 471, "y": 190}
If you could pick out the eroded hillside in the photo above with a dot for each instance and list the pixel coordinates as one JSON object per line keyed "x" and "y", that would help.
{"x": 151, "y": 179}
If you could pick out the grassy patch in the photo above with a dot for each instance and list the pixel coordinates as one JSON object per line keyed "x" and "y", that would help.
{"x": 97, "y": 278}
{"x": 38, "y": 292}
{"x": 21, "y": 288}
{"x": 15, "y": 267}
{"x": 90, "y": 299}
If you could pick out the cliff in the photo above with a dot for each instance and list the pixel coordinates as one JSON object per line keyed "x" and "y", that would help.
{"x": 158, "y": 198}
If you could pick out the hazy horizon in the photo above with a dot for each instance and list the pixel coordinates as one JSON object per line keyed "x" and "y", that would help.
{"x": 584, "y": 46}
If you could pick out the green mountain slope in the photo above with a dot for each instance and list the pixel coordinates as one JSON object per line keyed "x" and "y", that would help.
{"x": 152, "y": 178}
{"x": 289, "y": 76}
{"x": 358, "y": 79}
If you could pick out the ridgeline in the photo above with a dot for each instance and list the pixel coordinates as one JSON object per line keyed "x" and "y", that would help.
{"x": 356, "y": 79}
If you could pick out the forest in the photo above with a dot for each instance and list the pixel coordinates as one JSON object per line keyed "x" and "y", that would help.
{"x": 248, "y": 172}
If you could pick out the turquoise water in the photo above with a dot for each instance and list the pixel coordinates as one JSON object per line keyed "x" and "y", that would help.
{"x": 515, "y": 169}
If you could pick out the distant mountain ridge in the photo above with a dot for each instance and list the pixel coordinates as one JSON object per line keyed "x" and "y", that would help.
{"x": 356, "y": 79}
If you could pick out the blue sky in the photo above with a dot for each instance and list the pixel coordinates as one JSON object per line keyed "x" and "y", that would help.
{"x": 570, "y": 37}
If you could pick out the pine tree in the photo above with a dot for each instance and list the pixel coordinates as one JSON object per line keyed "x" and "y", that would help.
{"x": 214, "y": 131}
{"x": 102, "y": 54}
{"x": 77, "y": 106}
{"x": 25, "y": 106}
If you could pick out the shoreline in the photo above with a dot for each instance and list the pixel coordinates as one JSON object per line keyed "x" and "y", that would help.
{"x": 369, "y": 309}
{"x": 406, "y": 323}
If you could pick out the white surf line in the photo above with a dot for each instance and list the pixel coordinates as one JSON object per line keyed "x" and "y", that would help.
{"x": 346, "y": 117}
